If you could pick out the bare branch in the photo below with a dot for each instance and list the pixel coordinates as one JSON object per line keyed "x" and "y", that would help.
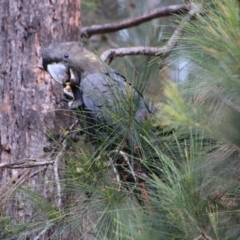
{"x": 56, "y": 175}
{"x": 165, "y": 50}
{"x": 48, "y": 226}
{"x": 126, "y": 160}
{"x": 27, "y": 163}
{"x": 112, "y": 53}
{"x": 87, "y": 32}
{"x": 199, "y": 237}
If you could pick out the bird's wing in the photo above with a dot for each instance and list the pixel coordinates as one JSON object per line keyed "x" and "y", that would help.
{"x": 106, "y": 94}
{"x": 100, "y": 93}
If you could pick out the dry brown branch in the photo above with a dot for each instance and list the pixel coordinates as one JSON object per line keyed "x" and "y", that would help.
{"x": 156, "y": 13}
{"x": 165, "y": 50}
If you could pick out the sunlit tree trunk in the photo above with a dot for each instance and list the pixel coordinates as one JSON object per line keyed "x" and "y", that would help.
{"x": 29, "y": 98}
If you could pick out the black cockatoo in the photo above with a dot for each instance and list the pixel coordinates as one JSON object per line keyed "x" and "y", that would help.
{"x": 99, "y": 92}
{"x": 106, "y": 99}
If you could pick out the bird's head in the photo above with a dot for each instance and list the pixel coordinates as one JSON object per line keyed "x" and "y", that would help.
{"x": 67, "y": 62}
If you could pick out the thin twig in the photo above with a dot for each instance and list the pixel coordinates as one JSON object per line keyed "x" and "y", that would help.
{"x": 203, "y": 235}
{"x": 42, "y": 232}
{"x": 63, "y": 141}
{"x": 38, "y": 162}
{"x": 199, "y": 237}
{"x": 7, "y": 189}
{"x": 87, "y": 32}
{"x": 127, "y": 161}
{"x": 111, "y": 163}
{"x": 229, "y": 103}
{"x": 108, "y": 55}
{"x": 27, "y": 163}
{"x": 38, "y": 171}
{"x": 56, "y": 175}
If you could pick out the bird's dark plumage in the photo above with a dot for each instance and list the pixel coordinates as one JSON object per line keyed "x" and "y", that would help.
{"x": 112, "y": 107}
{"x": 97, "y": 88}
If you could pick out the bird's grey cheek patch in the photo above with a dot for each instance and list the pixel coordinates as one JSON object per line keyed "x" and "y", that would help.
{"x": 58, "y": 72}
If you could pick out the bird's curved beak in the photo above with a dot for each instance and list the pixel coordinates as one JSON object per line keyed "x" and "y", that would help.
{"x": 72, "y": 78}
{"x": 59, "y": 72}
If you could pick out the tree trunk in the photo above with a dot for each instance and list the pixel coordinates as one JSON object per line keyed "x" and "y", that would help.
{"x": 29, "y": 97}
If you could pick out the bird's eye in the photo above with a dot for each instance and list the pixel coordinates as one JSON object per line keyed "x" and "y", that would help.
{"x": 66, "y": 55}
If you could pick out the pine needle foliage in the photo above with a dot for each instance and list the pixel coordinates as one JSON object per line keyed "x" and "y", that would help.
{"x": 200, "y": 192}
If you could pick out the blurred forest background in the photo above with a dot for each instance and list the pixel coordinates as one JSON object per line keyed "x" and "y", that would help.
{"x": 151, "y": 33}
{"x": 193, "y": 191}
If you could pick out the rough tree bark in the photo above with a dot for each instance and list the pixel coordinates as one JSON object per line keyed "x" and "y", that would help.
{"x": 29, "y": 99}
